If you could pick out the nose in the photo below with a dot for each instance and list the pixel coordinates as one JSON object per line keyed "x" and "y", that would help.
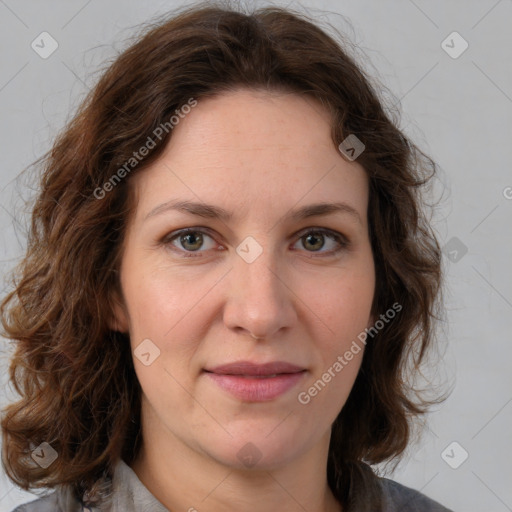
{"x": 260, "y": 299}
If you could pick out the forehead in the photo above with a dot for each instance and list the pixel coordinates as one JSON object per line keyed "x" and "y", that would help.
{"x": 254, "y": 122}
{"x": 253, "y": 149}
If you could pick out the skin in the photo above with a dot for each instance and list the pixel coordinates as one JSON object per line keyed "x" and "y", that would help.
{"x": 259, "y": 155}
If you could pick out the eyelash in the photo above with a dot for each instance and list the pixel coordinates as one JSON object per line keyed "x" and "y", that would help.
{"x": 337, "y": 237}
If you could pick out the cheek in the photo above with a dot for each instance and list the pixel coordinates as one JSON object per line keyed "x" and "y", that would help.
{"x": 326, "y": 393}
{"x": 169, "y": 309}
{"x": 159, "y": 297}
{"x": 344, "y": 305}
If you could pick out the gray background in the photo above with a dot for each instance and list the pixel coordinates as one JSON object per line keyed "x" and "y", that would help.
{"x": 458, "y": 109}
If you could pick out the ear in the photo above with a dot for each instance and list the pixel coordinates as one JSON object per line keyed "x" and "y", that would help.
{"x": 118, "y": 318}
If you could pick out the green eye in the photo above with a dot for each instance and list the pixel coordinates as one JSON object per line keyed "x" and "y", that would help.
{"x": 190, "y": 241}
{"x": 314, "y": 241}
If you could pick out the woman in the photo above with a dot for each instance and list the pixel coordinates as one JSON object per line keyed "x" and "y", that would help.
{"x": 228, "y": 272}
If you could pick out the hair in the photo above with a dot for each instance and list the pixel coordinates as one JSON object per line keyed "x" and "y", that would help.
{"x": 75, "y": 376}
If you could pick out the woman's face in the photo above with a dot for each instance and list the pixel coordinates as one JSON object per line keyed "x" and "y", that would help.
{"x": 246, "y": 166}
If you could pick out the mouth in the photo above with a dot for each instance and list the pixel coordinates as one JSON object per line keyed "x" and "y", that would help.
{"x": 251, "y": 369}
{"x": 251, "y": 382}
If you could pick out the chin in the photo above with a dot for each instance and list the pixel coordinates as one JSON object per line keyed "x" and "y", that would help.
{"x": 257, "y": 451}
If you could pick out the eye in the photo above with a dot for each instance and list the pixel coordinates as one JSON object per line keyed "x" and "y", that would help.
{"x": 314, "y": 240}
{"x": 192, "y": 240}
{"x": 188, "y": 240}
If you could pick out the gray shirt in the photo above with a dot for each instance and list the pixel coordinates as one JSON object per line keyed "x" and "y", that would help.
{"x": 130, "y": 495}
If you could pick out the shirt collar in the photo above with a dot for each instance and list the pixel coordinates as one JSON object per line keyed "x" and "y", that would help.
{"x": 129, "y": 494}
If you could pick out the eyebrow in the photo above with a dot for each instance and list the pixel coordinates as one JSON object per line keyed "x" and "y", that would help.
{"x": 210, "y": 211}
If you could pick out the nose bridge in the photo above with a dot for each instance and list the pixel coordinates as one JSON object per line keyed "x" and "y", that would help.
{"x": 260, "y": 302}
{"x": 261, "y": 275}
{"x": 257, "y": 269}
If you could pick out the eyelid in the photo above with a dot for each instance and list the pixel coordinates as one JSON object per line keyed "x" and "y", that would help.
{"x": 327, "y": 231}
{"x": 342, "y": 240}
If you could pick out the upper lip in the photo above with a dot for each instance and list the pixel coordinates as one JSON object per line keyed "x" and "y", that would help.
{"x": 250, "y": 368}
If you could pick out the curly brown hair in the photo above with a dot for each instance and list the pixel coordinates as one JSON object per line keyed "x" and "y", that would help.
{"x": 75, "y": 376}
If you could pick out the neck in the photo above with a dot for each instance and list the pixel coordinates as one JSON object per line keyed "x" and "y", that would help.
{"x": 184, "y": 479}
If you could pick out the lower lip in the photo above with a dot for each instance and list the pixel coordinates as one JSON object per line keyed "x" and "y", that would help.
{"x": 256, "y": 389}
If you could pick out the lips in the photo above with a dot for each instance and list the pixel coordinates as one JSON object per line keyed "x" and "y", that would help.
{"x": 249, "y": 369}
{"x": 251, "y": 382}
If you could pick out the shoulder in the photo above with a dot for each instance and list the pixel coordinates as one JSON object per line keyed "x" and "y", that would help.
{"x": 399, "y": 497}
{"x": 59, "y": 500}
{"x": 40, "y": 505}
